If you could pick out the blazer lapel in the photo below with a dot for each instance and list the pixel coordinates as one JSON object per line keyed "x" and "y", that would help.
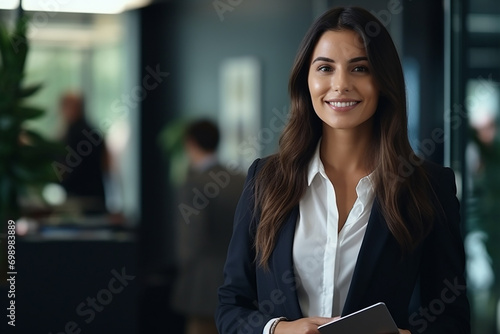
{"x": 282, "y": 266}
{"x": 373, "y": 243}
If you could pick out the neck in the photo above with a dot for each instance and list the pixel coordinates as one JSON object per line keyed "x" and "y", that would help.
{"x": 347, "y": 150}
{"x": 199, "y": 160}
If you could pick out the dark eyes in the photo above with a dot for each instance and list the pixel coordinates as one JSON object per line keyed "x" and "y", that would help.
{"x": 327, "y": 68}
{"x": 360, "y": 69}
{"x": 324, "y": 68}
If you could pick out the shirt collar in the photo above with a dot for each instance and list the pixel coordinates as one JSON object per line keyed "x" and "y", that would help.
{"x": 315, "y": 165}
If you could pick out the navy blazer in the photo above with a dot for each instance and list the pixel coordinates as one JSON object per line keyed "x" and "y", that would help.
{"x": 425, "y": 291}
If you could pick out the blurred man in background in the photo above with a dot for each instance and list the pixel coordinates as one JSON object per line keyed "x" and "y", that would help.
{"x": 206, "y": 208}
{"x": 83, "y": 168}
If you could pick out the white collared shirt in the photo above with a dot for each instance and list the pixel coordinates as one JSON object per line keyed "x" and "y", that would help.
{"x": 324, "y": 259}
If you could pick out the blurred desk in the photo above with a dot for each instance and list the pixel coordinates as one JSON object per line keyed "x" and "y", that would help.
{"x": 72, "y": 277}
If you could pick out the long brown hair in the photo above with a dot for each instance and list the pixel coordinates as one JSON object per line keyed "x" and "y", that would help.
{"x": 404, "y": 199}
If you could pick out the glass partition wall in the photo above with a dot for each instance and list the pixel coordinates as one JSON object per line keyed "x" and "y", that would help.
{"x": 472, "y": 121}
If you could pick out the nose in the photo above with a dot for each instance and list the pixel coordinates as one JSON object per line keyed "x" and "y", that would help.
{"x": 340, "y": 81}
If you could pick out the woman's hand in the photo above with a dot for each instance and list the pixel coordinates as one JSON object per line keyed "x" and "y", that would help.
{"x": 309, "y": 326}
{"x": 301, "y": 326}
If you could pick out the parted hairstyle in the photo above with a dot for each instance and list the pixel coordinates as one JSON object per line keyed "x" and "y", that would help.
{"x": 403, "y": 199}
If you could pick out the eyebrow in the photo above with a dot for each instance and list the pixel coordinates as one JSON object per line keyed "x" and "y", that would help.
{"x": 328, "y": 60}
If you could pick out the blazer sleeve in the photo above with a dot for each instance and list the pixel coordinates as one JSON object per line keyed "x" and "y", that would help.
{"x": 444, "y": 307}
{"x": 238, "y": 310}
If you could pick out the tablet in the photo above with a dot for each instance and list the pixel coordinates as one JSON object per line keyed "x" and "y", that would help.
{"x": 374, "y": 319}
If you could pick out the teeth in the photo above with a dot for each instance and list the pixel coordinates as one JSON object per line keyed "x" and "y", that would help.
{"x": 343, "y": 104}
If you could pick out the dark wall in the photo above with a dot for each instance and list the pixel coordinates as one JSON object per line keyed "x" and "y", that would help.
{"x": 423, "y": 41}
{"x": 158, "y": 53}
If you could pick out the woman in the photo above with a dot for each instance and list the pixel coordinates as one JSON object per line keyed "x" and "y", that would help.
{"x": 345, "y": 215}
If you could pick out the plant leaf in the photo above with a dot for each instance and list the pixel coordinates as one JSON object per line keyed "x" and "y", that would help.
{"x": 28, "y": 91}
{"x": 25, "y": 113}
{"x": 6, "y": 51}
{"x": 19, "y": 43}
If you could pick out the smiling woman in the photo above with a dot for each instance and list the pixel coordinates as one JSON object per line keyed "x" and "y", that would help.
{"x": 329, "y": 224}
{"x": 344, "y": 96}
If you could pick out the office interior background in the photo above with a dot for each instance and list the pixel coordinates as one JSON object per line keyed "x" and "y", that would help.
{"x": 146, "y": 67}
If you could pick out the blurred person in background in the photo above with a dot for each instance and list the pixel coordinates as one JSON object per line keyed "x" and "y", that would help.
{"x": 83, "y": 168}
{"x": 206, "y": 207}
{"x": 483, "y": 163}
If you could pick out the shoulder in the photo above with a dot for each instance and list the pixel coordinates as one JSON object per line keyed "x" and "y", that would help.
{"x": 441, "y": 178}
{"x": 435, "y": 170}
{"x": 248, "y": 194}
{"x": 444, "y": 193}
{"x": 258, "y": 165}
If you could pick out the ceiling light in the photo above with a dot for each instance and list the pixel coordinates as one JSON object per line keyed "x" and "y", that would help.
{"x": 83, "y": 6}
{"x": 9, "y": 4}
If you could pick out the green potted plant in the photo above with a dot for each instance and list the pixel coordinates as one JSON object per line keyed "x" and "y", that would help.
{"x": 25, "y": 156}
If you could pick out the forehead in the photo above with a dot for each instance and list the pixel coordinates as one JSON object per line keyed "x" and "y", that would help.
{"x": 339, "y": 44}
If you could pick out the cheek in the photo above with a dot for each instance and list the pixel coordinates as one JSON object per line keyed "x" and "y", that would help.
{"x": 316, "y": 87}
{"x": 370, "y": 91}
{"x": 311, "y": 85}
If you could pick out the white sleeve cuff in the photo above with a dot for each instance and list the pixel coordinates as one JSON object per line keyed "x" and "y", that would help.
{"x": 267, "y": 328}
